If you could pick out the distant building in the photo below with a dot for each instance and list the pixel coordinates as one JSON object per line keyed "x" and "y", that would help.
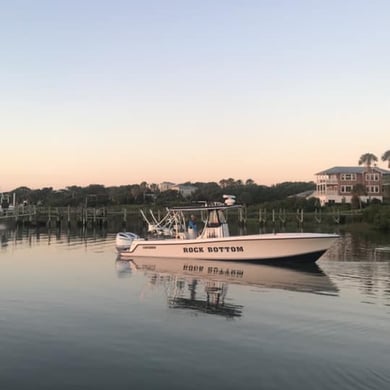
{"x": 165, "y": 186}
{"x": 337, "y": 184}
{"x": 185, "y": 190}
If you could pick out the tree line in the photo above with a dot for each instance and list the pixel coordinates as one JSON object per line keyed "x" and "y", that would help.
{"x": 98, "y": 195}
{"x": 285, "y": 194}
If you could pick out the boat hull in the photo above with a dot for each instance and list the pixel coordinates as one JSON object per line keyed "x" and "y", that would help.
{"x": 305, "y": 247}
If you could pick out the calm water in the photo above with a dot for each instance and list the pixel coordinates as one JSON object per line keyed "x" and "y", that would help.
{"x": 73, "y": 316}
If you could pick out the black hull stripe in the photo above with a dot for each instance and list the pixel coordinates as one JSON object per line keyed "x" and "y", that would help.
{"x": 296, "y": 259}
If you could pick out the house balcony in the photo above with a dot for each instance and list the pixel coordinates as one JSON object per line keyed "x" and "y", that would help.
{"x": 327, "y": 181}
{"x": 329, "y": 192}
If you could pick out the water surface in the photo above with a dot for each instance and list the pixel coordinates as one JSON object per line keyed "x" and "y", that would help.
{"x": 74, "y": 316}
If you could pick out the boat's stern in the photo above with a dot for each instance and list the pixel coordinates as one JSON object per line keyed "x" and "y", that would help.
{"x": 123, "y": 240}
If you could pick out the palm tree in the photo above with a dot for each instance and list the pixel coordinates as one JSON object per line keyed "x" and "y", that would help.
{"x": 386, "y": 157}
{"x": 367, "y": 159}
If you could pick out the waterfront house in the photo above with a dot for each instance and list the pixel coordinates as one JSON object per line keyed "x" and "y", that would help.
{"x": 340, "y": 184}
{"x": 166, "y": 186}
{"x": 186, "y": 190}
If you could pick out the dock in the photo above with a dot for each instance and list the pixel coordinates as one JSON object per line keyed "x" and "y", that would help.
{"x": 61, "y": 217}
{"x": 50, "y": 217}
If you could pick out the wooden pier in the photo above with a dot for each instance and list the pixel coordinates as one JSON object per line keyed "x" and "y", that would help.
{"x": 33, "y": 216}
{"x": 57, "y": 217}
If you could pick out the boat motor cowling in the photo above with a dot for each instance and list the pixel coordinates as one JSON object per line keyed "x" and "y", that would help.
{"x": 124, "y": 239}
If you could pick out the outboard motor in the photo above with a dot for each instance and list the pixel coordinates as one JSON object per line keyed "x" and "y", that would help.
{"x": 124, "y": 239}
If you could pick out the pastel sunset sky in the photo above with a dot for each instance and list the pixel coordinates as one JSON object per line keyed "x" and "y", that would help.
{"x": 118, "y": 91}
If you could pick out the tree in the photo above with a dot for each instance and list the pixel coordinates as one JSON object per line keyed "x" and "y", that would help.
{"x": 136, "y": 193}
{"x": 386, "y": 157}
{"x": 207, "y": 191}
{"x": 249, "y": 182}
{"x": 367, "y": 159}
{"x": 358, "y": 190}
{"x": 225, "y": 183}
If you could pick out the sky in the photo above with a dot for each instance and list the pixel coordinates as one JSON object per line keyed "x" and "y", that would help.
{"x": 119, "y": 92}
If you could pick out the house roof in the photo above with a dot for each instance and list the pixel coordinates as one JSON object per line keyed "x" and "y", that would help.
{"x": 336, "y": 170}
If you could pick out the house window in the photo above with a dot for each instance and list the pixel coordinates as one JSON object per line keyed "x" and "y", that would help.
{"x": 348, "y": 176}
{"x": 346, "y": 189}
{"x": 372, "y": 177}
{"x": 373, "y": 189}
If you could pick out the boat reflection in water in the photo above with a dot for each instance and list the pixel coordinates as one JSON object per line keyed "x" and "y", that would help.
{"x": 203, "y": 285}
